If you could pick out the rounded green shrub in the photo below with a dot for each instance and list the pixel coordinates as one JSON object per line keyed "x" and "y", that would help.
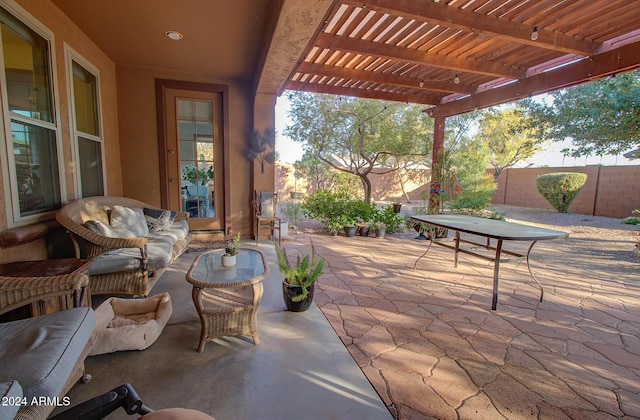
{"x": 560, "y": 188}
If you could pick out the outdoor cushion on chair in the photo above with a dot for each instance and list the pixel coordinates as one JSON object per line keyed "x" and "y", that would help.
{"x": 42, "y": 352}
{"x": 130, "y": 324}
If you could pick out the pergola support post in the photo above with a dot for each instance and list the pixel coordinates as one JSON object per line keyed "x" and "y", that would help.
{"x": 438, "y": 147}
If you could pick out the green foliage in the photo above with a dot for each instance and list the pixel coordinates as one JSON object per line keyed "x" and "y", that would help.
{"x": 193, "y": 174}
{"x": 336, "y": 210}
{"x": 346, "y": 183}
{"x": 291, "y": 211}
{"x": 361, "y": 211}
{"x": 560, "y": 188}
{"x": 389, "y": 218}
{"x": 510, "y": 136}
{"x": 305, "y": 272}
{"x": 601, "y": 117}
{"x": 357, "y": 135}
{"x": 476, "y": 186}
{"x": 315, "y": 171}
{"x": 232, "y": 246}
{"x": 262, "y": 147}
{"x": 632, "y": 221}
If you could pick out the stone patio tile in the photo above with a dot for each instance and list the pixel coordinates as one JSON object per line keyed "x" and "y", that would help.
{"x": 512, "y": 399}
{"x": 489, "y": 346}
{"x": 415, "y": 393}
{"x": 617, "y": 355}
{"x": 549, "y": 388}
{"x": 630, "y": 402}
{"x": 519, "y": 358}
{"x": 479, "y": 407}
{"x": 403, "y": 359}
{"x": 379, "y": 384}
{"x": 451, "y": 382}
{"x": 453, "y": 346}
{"x": 581, "y": 370}
{"x": 375, "y": 341}
{"x": 603, "y": 399}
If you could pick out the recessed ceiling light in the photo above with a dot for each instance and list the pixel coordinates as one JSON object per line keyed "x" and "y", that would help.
{"x": 176, "y": 36}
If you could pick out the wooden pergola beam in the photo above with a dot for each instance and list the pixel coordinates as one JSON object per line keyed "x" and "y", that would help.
{"x": 379, "y": 49}
{"x": 385, "y": 78}
{"x": 453, "y": 17}
{"x": 362, "y": 93}
{"x": 620, "y": 60}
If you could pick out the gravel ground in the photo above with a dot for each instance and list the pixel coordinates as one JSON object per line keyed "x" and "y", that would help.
{"x": 595, "y": 243}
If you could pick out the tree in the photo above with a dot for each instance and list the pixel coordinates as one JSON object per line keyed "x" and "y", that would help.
{"x": 313, "y": 169}
{"x": 510, "y": 136}
{"x": 461, "y": 170}
{"x": 601, "y": 117}
{"x": 358, "y": 135}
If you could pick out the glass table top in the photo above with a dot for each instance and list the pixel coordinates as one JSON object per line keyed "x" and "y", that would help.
{"x": 207, "y": 269}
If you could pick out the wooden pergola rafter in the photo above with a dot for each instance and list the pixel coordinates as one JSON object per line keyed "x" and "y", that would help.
{"x": 458, "y": 56}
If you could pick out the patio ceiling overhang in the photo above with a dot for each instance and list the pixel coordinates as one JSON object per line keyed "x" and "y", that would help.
{"x": 456, "y": 56}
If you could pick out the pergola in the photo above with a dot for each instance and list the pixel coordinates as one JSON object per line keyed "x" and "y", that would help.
{"x": 456, "y": 56}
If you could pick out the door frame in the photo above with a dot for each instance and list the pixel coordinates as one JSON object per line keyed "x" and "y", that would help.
{"x": 161, "y": 86}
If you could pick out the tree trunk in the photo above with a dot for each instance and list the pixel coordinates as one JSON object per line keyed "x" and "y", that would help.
{"x": 366, "y": 186}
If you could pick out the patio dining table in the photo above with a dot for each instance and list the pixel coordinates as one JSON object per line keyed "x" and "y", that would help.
{"x": 498, "y": 230}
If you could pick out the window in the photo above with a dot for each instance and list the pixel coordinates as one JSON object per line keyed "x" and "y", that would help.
{"x": 30, "y": 123}
{"x": 86, "y": 127}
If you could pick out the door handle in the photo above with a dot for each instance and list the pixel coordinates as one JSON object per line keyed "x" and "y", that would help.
{"x": 171, "y": 151}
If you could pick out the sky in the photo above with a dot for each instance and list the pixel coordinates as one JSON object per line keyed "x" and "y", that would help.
{"x": 290, "y": 151}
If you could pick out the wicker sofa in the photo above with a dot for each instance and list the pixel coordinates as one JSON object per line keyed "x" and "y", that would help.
{"x": 123, "y": 263}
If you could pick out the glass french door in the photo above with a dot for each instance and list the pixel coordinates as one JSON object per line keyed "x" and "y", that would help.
{"x": 194, "y": 156}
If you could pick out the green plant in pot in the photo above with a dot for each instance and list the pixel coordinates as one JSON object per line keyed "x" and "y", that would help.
{"x": 230, "y": 251}
{"x": 299, "y": 279}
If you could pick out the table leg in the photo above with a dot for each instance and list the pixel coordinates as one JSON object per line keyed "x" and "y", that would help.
{"x": 455, "y": 264}
{"x": 531, "y": 272}
{"x": 195, "y": 295}
{"x": 496, "y": 274}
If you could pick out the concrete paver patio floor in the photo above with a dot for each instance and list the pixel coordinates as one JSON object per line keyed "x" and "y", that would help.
{"x": 431, "y": 346}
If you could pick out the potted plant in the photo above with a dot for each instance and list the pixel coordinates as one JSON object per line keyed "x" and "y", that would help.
{"x": 299, "y": 280}
{"x": 364, "y": 228}
{"x": 332, "y": 225}
{"x": 230, "y": 252}
{"x": 348, "y": 224}
{"x": 380, "y": 228}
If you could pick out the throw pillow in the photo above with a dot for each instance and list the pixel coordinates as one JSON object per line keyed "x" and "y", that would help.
{"x": 158, "y": 219}
{"x": 101, "y": 228}
{"x": 129, "y": 222}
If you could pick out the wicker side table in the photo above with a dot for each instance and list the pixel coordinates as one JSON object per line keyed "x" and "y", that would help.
{"x": 227, "y": 298}
{"x": 46, "y": 286}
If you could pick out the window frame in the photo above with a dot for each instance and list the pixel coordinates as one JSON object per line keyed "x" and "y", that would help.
{"x": 75, "y": 134}
{"x": 9, "y": 176}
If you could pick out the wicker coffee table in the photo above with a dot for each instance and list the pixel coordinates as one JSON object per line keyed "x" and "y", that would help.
{"x": 227, "y": 298}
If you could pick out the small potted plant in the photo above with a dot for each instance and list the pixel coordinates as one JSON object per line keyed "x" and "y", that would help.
{"x": 380, "y": 229}
{"x": 230, "y": 252}
{"x": 299, "y": 280}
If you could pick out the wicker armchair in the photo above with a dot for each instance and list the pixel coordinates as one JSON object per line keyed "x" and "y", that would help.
{"x": 16, "y": 292}
{"x": 91, "y": 245}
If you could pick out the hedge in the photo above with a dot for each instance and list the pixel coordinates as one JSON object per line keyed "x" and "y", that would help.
{"x": 560, "y": 188}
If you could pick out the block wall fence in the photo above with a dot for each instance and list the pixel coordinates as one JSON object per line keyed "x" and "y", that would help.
{"x": 610, "y": 191}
